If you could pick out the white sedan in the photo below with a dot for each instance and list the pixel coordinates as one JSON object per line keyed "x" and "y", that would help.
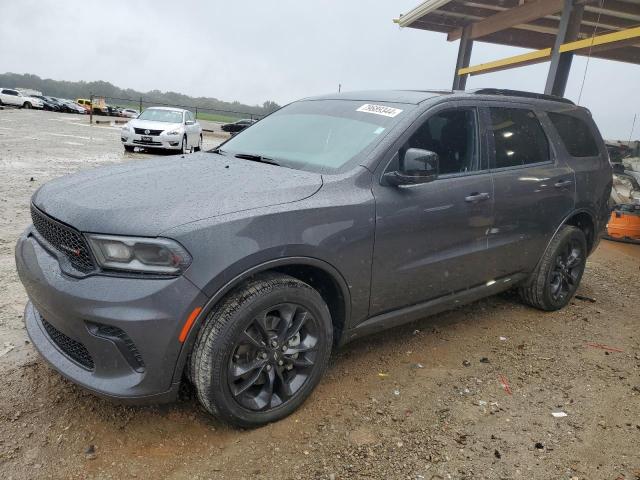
{"x": 130, "y": 113}
{"x": 163, "y": 128}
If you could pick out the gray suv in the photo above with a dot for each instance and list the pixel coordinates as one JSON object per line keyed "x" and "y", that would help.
{"x": 240, "y": 269}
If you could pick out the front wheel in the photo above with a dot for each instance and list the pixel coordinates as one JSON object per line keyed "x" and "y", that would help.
{"x": 557, "y": 276}
{"x": 128, "y": 148}
{"x": 262, "y": 350}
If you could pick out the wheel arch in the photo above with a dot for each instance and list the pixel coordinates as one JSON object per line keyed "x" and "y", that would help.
{"x": 582, "y": 219}
{"x": 322, "y": 276}
{"x": 585, "y": 221}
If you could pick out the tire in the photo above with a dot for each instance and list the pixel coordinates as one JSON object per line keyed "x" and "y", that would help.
{"x": 198, "y": 147}
{"x": 128, "y": 148}
{"x": 558, "y": 274}
{"x": 183, "y": 146}
{"x": 26, "y": 105}
{"x": 247, "y": 373}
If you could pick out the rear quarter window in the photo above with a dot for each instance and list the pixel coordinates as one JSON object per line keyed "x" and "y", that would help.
{"x": 575, "y": 135}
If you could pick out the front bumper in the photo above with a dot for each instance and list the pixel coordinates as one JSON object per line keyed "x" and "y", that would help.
{"x": 66, "y": 319}
{"x": 164, "y": 141}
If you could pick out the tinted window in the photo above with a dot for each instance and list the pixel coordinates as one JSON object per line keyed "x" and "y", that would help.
{"x": 575, "y": 135}
{"x": 452, "y": 135}
{"x": 518, "y": 137}
{"x": 10, "y": 92}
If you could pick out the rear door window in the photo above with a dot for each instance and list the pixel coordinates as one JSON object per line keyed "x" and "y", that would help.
{"x": 518, "y": 137}
{"x": 575, "y": 134}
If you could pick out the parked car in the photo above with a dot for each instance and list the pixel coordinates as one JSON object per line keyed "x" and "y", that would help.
{"x": 238, "y": 126}
{"x": 15, "y": 98}
{"x": 73, "y": 107}
{"x": 130, "y": 113}
{"x": 47, "y": 103}
{"x": 246, "y": 266}
{"x": 62, "y": 104}
{"x": 163, "y": 128}
{"x": 113, "y": 111}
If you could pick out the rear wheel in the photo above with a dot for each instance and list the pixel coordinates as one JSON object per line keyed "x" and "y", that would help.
{"x": 198, "y": 147}
{"x": 26, "y": 105}
{"x": 262, "y": 350}
{"x": 559, "y": 272}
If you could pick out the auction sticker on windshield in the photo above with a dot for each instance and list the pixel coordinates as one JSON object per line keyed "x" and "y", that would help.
{"x": 379, "y": 110}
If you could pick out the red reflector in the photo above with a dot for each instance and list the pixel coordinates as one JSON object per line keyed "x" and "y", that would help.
{"x": 188, "y": 324}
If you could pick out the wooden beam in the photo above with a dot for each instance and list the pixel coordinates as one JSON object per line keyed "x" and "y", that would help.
{"x": 598, "y": 43}
{"x": 509, "y": 18}
{"x": 536, "y": 56}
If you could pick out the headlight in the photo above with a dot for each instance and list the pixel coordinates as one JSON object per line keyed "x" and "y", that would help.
{"x": 138, "y": 254}
{"x": 177, "y": 131}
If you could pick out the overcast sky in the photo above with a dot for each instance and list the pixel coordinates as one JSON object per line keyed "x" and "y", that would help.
{"x": 280, "y": 50}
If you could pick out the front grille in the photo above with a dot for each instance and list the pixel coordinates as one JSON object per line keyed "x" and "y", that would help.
{"x": 143, "y": 131}
{"x": 65, "y": 239}
{"x": 142, "y": 142}
{"x": 70, "y": 347}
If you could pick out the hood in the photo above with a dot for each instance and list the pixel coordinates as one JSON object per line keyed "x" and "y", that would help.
{"x": 152, "y": 125}
{"x": 148, "y": 197}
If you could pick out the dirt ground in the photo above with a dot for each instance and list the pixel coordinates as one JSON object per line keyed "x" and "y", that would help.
{"x": 464, "y": 395}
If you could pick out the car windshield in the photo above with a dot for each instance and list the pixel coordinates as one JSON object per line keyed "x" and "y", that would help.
{"x": 158, "y": 115}
{"x": 325, "y": 136}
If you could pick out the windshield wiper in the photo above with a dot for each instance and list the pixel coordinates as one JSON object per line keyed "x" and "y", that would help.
{"x": 256, "y": 158}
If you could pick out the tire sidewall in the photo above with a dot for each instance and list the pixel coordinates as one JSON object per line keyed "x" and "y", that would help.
{"x": 219, "y": 392}
{"x": 567, "y": 236}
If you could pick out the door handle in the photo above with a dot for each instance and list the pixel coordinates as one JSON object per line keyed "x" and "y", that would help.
{"x": 477, "y": 197}
{"x": 563, "y": 183}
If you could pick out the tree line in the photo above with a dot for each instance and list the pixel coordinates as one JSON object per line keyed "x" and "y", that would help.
{"x": 82, "y": 89}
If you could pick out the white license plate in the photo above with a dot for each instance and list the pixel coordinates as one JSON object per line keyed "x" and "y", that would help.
{"x": 147, "y": 139}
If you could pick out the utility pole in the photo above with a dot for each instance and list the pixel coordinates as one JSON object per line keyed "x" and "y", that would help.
{"x": 339, "y": 87}
{"x": 90, "y": 108}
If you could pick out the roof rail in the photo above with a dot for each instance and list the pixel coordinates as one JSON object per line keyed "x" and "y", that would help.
{"x": 520, "y": 93}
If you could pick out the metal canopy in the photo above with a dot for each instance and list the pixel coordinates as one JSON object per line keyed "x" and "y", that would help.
{"x": 608, "y": 29}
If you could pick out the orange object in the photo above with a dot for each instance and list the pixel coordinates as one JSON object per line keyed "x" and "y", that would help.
{"x": 188, "y": 324}
{"x": 624, "y": 225}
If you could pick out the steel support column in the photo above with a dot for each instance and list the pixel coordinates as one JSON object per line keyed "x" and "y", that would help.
{"x": 568, "y": 31}
{"x": 464, "y": 57}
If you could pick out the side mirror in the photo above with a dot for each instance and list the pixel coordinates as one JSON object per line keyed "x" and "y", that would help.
{"x": 189, "y": 122}
{"x": 418, "y": 166}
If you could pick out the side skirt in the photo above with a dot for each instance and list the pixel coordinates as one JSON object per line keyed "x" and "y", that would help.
{"x": 431, "y": 307}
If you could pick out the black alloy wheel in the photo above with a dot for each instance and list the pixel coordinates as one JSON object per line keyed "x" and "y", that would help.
{"x": 567, "y": 271}
{"x": 261, "y": 350}
{"x": 273, "y": 357}
{"x": 557, "y": 276}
